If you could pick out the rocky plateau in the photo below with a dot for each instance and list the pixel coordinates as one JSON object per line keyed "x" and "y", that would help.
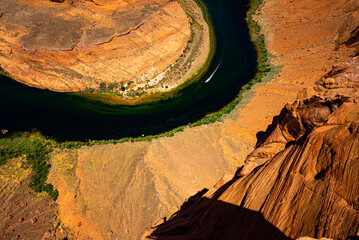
{"x": 285, "y": 173}
{"x": 78, "y": 45}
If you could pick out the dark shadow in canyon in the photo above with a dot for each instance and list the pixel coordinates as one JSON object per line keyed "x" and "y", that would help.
{"x": 215, "y": 219}
{"x": 201, "y": 217}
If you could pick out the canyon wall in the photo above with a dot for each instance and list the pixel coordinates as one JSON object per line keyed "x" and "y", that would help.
{"x": 307, "y": 187}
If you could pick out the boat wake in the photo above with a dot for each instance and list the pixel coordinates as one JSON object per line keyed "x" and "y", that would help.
{"x": 215, "y": 70}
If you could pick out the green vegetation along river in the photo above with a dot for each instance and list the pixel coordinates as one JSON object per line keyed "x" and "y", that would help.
{"x": 73, "y": 117}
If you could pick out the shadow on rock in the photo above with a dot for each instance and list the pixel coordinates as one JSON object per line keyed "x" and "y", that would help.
{"x": 224, "y": 221}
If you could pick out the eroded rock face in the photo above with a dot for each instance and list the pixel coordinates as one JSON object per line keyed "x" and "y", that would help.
{"x": 348, "y": 32}
{"x": 310, "y": 188}
{"x": 342, "y": 79}
{"x": 75, "y": 45}
{"x": 294, "y": 121}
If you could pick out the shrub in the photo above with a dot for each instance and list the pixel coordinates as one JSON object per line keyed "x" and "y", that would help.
{"x": 36, "y": 153}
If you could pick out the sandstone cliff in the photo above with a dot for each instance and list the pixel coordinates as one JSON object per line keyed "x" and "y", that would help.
{"x": 307, "y": 187}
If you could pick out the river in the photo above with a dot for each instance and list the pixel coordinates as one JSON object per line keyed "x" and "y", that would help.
{"x": 72, "y": 117}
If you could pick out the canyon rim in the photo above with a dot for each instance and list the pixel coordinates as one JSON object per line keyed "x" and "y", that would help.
{"x": 294, "y": 138}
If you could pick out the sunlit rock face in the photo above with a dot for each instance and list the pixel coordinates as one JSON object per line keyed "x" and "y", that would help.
{"x": 306, "y": 185}
{"x": 76, "y": 45}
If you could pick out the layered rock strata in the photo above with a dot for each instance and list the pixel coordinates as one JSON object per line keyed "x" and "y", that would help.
{"x": 78, "y": 45}
{"x": 308, "y": 186}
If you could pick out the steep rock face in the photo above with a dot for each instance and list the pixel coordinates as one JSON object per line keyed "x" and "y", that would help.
{"x": 348, "y": 32}
{"x": 310, "y": 188}
{"x": 342, "y": 79}
{"x": 294, "y": 121}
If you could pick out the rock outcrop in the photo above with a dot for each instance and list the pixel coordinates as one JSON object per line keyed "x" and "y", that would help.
{"x": 342, "y": 79}
{"x": 294, "y": 121}
{"x": 310, "y": 187}
{"x": 348, "y": 32}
